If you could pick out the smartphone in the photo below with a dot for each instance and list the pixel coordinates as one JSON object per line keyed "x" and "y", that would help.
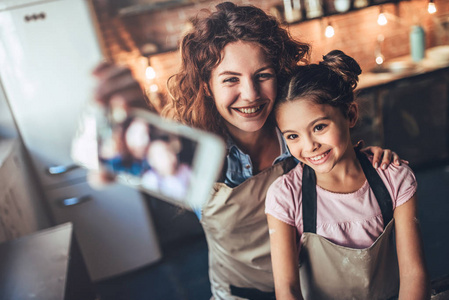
{"x": 165, "y": 159}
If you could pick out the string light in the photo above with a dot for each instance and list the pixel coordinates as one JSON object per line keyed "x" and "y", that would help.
{"x": 329, "y": 31}
{"x": 381, "y": 18}
{"x": 154, "y": 88}
{"x": 379, "y": 59}
{"x": 150, "y": 73}
{"x": 431, "y": 8}
{"x": 378, "y": 51}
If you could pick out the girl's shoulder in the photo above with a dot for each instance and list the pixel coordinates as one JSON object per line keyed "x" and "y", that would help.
{"x": 292, "y": 180}
{"x": 283, "y": 200}
{"x": 394, "y": 173}
{"x": 400, "y": 181}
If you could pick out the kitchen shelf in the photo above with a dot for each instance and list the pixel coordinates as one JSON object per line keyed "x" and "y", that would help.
{"x": 327, "y": 5}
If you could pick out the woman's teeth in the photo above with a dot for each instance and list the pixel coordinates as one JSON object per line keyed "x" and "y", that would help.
{"x": 249, "y": 110}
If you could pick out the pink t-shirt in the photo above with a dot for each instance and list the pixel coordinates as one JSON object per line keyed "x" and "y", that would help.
{"x": 352, "y": 220}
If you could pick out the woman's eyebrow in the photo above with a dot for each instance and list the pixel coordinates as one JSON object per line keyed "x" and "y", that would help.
{"x": 265, "y": 68}
{"x": 238, "y": 73}
{"x": 229, "y": 73}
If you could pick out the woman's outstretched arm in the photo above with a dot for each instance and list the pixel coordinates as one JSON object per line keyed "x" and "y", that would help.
{"x": 116, "y": 84}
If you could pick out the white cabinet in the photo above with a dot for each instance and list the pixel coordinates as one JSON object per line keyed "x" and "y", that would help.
{"x": 47, "y": 52}
{"x": 110, "y": 222}
{"x": 17, "y": 214}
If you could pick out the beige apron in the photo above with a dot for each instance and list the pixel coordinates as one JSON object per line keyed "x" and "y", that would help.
{"x": 236, "y": 229}
{"x": 330, "y": 271}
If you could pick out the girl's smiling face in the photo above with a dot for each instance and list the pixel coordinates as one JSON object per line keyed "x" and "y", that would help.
{"x": 244, "y": 87}
{"x": 316, "y": 134}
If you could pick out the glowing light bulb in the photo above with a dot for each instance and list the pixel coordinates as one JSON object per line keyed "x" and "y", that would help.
{"x": 150, "y": 73}
{"x": 379, "y": 60}
{"x": 431, "y": 8}
{"x": 382, "y": 19}
{"x": 329, "y": 32}
{"x": 154, "y": 88}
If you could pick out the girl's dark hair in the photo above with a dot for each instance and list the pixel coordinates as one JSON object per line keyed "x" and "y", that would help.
{"x": 331, "y": 81}
{"x": 202, "y": 49}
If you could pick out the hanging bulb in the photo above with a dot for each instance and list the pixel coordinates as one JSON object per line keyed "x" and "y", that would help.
{"x": 431, "y": 8}
{"x": 381, "y": 18}
{"x": 150, "y": 73}
{"x": 378, "y": 51}
{"x": 379, "y": 59}
{"x": 329, "y": 31}
{"x": 154, "y": 88}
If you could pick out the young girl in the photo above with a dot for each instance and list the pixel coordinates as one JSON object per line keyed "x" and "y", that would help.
{"x": 333, "y": 213}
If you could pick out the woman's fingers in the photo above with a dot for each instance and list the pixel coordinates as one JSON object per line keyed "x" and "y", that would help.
{"x": 380, "y": 156}
{"x": 377, "y": 155}
{"x": 386, "y": 158}
{"x": 396, "y": 159}
{"x": 111, "y": 85}
{"x": 116, "y": 82}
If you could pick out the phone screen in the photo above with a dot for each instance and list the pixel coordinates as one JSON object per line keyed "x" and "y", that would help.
{"x": 160, "y": 158}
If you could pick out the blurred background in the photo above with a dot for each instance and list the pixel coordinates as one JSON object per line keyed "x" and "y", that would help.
{"x": 138, "y": 247}
{"x": 402, "y": 47}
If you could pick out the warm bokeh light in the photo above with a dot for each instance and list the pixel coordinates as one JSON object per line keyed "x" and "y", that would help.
{"x": 431, "y": 8}
{"x": 382, "y": 19}
{"x": 154, "y": 88}
{"x": 150, "y": 73}
{"x": 379, "y": 60}
{"x": 329, "y": 32}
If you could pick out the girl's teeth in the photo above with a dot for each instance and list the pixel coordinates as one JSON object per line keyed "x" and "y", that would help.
{"x": 318, "y": 157}
{"x": 249, "y": 110}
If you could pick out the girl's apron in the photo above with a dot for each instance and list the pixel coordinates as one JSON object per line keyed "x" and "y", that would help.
{"x": 330, "y": 271}
{"x": 236, "y": 229}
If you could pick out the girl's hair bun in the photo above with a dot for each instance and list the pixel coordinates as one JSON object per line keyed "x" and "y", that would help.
{"x": 225, "y": 6}
{"x": 345, "y": 66}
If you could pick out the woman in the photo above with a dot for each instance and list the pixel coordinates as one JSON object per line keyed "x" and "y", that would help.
{"x": 234, "y": 62}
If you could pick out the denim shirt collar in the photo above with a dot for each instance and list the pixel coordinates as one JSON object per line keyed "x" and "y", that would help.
{"x": 239, "y": 166}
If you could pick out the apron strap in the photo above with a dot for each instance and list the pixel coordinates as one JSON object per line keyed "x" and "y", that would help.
{"x": 251, "y": 294}
{"x": 309, "y": 196}
{"x": 309, "y": 199}
{"x": 377, "y": 185}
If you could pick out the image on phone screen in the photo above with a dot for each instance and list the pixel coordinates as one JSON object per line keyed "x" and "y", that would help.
{"x": 164, "y": 159}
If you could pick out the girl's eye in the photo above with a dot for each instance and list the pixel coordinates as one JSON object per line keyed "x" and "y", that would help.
{"x": 292, "y": 136}
{"x": 231, "y": 80}
{"x": 264, "y": 76}
{"x": 319, "y": 127}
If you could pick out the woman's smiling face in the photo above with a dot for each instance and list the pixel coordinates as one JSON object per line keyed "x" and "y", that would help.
{"x": 244, "y": 87}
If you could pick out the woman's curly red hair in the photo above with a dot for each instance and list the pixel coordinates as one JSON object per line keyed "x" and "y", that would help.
{"x": 201, "y": 51}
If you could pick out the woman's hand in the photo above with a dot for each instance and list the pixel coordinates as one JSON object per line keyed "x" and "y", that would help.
{"x": 117, "y": 88}
{"x": 381, "y": 157}
{"x": 116, "y": 84}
